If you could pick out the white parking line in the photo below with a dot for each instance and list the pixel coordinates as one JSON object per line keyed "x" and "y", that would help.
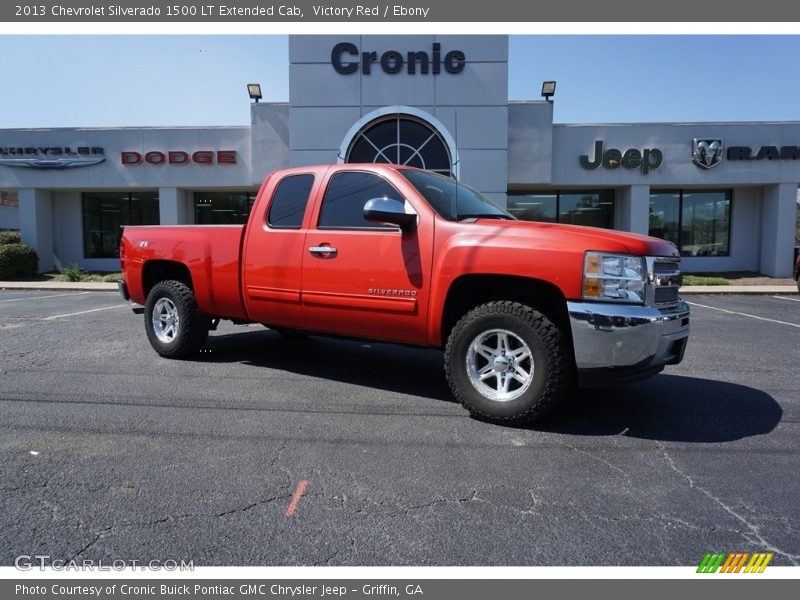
{"x": 83, "y": 312}
{"x": 41, "y": 297}
{"x": 733, "y": 312}
{"x": 785, "y": 298}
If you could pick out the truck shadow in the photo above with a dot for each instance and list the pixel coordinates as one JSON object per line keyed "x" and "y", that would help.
{"x": 672, "y": 408}
{"x": 664, "y": 407}
{"x": 388, "y": 367}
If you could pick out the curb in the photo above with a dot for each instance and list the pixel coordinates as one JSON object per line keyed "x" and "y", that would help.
{"x": 749, "y": 290}
{"x": 61, "y": 286}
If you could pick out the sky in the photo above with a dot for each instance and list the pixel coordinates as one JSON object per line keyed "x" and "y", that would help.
{"x": 188, "y": 80}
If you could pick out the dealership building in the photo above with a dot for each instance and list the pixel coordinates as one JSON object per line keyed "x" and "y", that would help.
{"x": 724, "y": 193}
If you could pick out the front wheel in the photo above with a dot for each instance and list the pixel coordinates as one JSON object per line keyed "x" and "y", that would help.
{"x": 175, "y": 327}
{"x": 508, "y": 363}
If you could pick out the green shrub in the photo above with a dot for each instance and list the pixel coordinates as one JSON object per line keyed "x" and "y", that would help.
{"x": 72, "y": 272}
{"x": 704, "y": 280}
{"x": 10, "y": 237}
{"x": 18, "y": 260}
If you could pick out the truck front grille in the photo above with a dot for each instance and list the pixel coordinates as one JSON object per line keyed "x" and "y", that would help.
{"x": 665, "y": 278}
{"x": 666, "y": 296}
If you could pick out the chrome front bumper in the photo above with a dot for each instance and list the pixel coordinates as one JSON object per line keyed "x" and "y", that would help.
{"x": 627, "y": 338}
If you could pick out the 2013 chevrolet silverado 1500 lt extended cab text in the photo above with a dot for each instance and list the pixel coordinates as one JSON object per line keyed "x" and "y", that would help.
{"x": 523, "y": 310}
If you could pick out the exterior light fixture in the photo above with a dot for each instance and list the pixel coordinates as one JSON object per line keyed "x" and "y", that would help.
{"x": 254, "y": 89}
{"x": 548, "y": 90}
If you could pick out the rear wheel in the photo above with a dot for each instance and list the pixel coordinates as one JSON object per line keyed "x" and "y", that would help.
{"x": 174, "y": 325}
{"x": 508, "y": 363}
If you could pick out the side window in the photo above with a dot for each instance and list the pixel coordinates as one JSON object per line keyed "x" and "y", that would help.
{"x": 347, "y": 193}
{"x": 289, "y": 202}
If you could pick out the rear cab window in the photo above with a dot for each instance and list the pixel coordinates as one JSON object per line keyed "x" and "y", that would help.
{"x": 289, "y": 201}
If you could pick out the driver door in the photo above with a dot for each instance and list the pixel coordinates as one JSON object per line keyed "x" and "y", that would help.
{"x": 361, "y": 278}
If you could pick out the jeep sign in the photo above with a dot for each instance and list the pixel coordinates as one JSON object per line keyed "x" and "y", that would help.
{"x": 632, "y": 158}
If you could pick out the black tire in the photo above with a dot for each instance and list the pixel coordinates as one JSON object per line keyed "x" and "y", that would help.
{"x": 191, "y": 327}
{"x": 549, "y": 382}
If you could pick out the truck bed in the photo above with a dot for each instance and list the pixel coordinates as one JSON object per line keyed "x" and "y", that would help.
{"x": 211, "y": 253}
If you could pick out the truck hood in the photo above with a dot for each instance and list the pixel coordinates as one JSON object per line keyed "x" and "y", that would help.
{"x": 579, "y": 238}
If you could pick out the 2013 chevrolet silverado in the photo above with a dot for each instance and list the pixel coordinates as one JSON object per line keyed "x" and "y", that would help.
{"x": 524, "y": 311}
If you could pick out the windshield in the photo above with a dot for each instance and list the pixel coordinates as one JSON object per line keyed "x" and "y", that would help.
{"x": 451, "y": 200}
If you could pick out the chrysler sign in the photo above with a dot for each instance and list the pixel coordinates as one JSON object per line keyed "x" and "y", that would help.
{"x": 51, "y": 157}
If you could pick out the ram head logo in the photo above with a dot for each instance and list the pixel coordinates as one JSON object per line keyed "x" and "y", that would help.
{"x": 706, "y": 152}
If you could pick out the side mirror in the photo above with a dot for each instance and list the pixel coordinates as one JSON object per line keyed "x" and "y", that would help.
{"x": 388, "y": 211}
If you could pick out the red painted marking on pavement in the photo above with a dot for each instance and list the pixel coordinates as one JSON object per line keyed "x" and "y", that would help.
{"x": 298, "y": 493}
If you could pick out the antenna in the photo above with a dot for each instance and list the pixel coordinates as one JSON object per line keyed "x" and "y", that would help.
{"x": 456, "y": 163}
{"x": 456, "y": 156}
{"x": 397, "y": 124}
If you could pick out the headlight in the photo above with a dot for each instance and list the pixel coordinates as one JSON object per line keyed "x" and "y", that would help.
{"x": 614, "y": 277}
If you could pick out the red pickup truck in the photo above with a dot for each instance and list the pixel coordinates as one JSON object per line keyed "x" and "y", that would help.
{"x": 524, "y": 311}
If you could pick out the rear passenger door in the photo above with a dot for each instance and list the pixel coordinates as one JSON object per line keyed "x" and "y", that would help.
{"x": 274, "y": 249}
{"x": 361, "y": 278}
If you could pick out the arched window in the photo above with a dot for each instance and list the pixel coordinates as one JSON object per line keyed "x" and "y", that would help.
{"x": 402, "y": 140}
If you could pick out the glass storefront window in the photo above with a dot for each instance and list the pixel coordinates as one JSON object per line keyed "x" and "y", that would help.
{"x": 665, "y": 216}
{"x": 402, "y": 140}
{"x": 105, "y": 212}
{"x": 698, "y": 222}
{"x": 9, "y": 198}
{"x": 222, "y": 208}
{"x": 534, "y": 207}
{"x": 594, "y": 208}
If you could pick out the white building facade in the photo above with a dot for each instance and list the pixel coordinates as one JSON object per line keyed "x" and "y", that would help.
{"x": 724, "y": 193}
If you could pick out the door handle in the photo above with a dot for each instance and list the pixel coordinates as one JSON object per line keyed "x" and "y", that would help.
{"x": 323, "y": 251}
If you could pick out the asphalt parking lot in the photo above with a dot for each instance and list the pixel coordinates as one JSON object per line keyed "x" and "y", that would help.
{"x": 109, "y": 452}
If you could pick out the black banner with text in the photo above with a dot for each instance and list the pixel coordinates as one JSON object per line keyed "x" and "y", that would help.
{"x": 365, "y": 589}
{"x": 465, "y": 11}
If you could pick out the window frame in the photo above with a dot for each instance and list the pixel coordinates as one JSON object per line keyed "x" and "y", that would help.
{"x": 9, "y": 194}
{"x": 353, "y": 228}
{"x": 557, "y": 193}
{"x": 305, "y": 210}
{"x": 397, "y": 119}
{"x": 251, "y": 197}
{"x": 680, "y": 192}
{"x": 127, "y": 198}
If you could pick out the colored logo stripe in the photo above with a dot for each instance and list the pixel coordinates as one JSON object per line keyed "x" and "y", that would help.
{"x": 731, "y": 558}
{"x": 734, "y": 561}
{"x": 711, "y": 562}
{"x": 758, "y": 563}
